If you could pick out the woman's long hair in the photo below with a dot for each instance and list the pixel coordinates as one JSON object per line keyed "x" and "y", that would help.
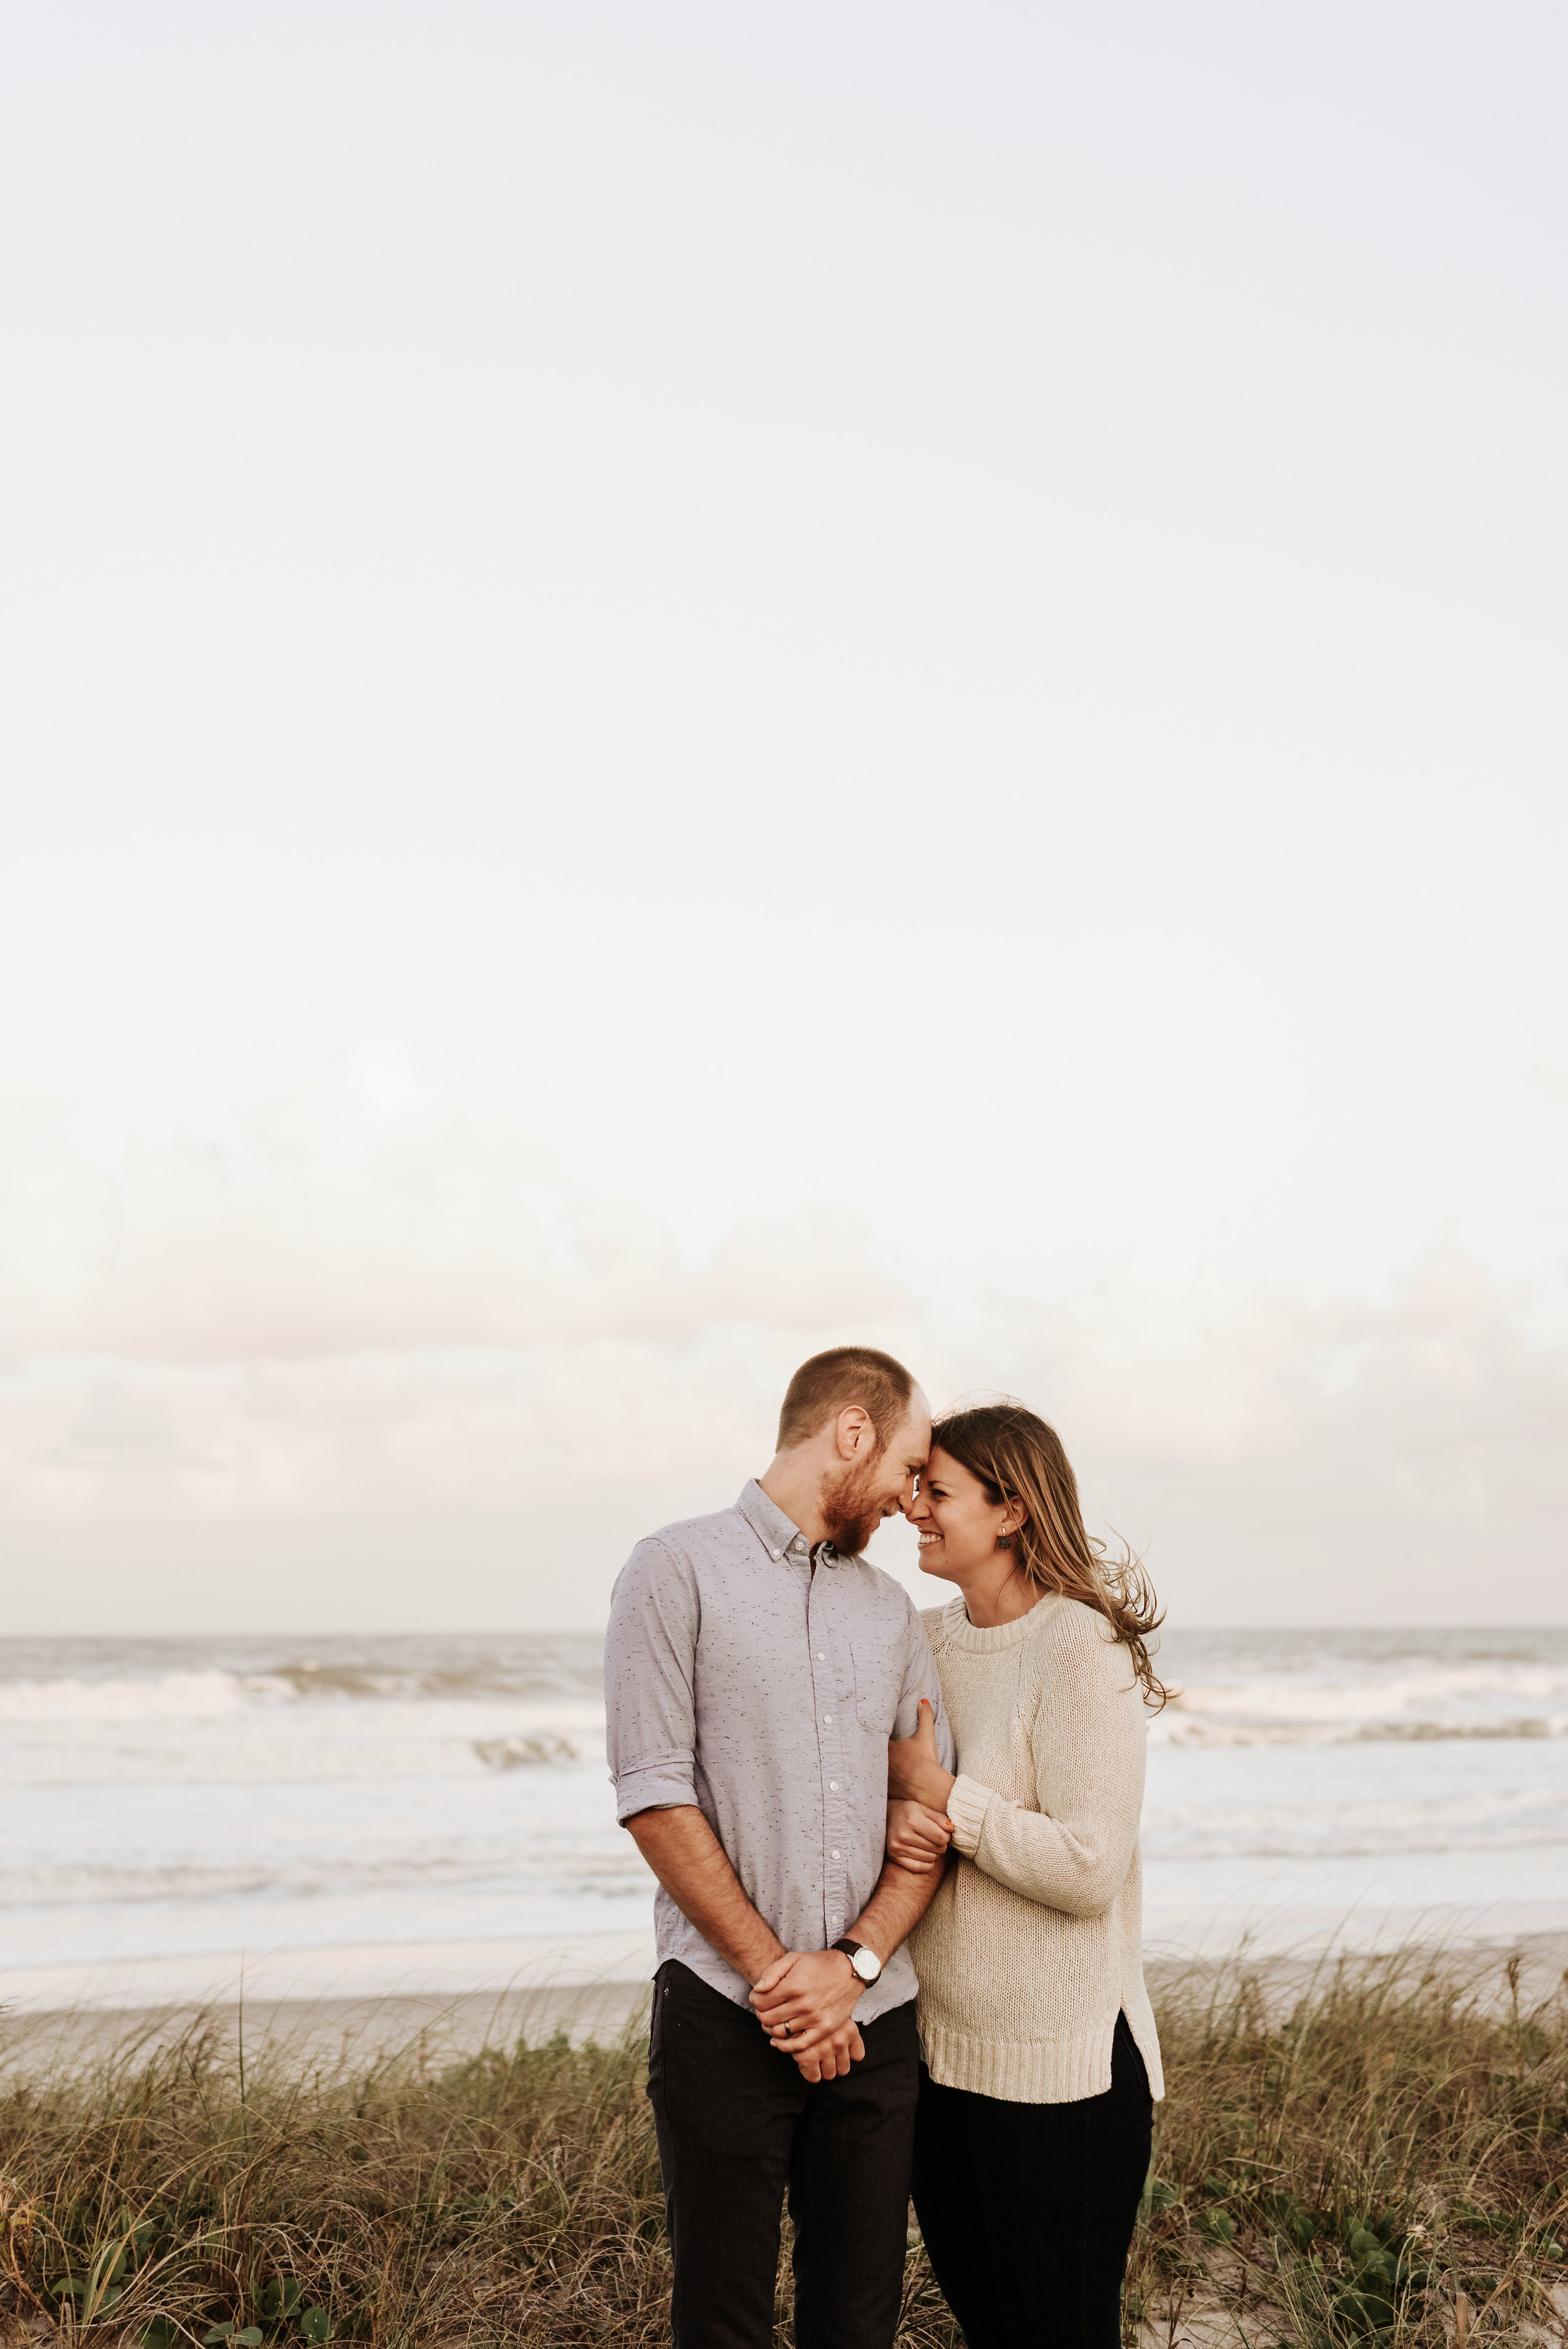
{"x": 1018, "y": 1458}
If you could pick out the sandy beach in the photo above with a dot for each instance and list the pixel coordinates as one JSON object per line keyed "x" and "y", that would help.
{"x": 315, "y": 2032}
{"x": 568, "y": 2001}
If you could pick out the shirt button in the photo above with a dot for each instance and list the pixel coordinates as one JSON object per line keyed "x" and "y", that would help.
{"x": 827, "y": 1716}
{"x": 832, "y": 1785}
{"x": 835, "y": 1854}
{"x": 821, "y": 1657}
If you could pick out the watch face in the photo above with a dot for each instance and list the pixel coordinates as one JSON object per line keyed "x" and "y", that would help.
{"x": 866, "y": 1965}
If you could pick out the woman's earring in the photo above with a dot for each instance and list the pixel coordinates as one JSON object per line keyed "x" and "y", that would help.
{"x": 1004, "y": 1539}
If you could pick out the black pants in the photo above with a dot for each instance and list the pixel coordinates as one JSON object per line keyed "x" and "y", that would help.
{"x": 1027, "y": 2210}
{"x": 737, "y": 2127}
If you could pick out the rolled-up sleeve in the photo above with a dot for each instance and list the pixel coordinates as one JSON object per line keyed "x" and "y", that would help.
{"x": 922, "y": 1679}
{"x": 650, "y": 1714}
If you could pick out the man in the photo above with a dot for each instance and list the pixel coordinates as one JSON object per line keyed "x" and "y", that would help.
{"x": 754, "y": 1669}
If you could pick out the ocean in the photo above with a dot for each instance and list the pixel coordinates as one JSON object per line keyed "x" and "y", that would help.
{"x": 357, "y": 1816}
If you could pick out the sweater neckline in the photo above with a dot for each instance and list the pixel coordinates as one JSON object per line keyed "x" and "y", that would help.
{"x": 958, "y": 1631}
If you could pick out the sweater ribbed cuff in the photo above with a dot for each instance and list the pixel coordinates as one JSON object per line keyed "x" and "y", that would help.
{"x": 966, "y": 1808}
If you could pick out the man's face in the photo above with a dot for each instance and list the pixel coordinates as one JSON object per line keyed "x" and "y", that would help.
{"x": 859, "y": 1496}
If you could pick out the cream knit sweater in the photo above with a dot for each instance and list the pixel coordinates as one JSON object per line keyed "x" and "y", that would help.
{"x": 1034, "y": 1943}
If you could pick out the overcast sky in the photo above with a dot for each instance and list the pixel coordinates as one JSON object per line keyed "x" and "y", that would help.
{"x": 681, "y": 683}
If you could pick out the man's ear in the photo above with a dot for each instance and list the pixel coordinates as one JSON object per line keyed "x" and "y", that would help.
{"x": 856, "y": 1434}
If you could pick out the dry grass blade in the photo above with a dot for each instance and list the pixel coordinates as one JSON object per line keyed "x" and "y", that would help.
{"x": 1377, "y": 2161}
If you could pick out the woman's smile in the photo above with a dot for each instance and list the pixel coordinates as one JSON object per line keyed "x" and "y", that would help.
{"x": 957, "y": 1513}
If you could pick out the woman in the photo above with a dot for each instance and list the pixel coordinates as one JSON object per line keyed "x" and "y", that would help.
{"x": 1040, "y": 2056}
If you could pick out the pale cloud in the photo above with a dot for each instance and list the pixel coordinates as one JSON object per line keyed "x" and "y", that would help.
{"x": 372, "y": 1209}
{"x": 376, "y": 1324}
{"x": 375, "y": 1304}
{"x": 1287, "y": 1458}
{"x": 1548, "y": 1078}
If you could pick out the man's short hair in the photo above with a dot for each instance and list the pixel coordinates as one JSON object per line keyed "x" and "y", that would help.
{"x": 829, "y": 1383}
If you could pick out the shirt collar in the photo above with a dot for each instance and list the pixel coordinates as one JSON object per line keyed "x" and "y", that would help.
{"x": 777, "y": 1533}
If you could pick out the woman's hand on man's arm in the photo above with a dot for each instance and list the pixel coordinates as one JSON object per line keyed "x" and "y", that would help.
{"x": 915, "y": 1771}
{"x": 918, "y": 1829}
{"x": 917, "y": 1838}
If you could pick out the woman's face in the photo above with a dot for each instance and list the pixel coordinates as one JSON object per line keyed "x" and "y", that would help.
{"x": 957, "y": 1524}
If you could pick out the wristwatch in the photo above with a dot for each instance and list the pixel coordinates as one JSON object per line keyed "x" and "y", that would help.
{"x": 866, "y": 1962}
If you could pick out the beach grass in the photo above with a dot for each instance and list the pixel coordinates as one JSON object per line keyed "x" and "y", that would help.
{"x": 1366, "y": 2155}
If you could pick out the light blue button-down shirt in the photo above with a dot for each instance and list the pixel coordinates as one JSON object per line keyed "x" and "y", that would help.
{"x": 738, "y": 1680}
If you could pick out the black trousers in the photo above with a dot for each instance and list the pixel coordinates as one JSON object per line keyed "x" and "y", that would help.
{"x": 737, "y": 2129}
{"x": 1027, "y": 2210}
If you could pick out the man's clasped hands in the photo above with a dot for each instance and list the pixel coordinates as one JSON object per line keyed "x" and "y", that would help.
{"x": 806, "y": 1999}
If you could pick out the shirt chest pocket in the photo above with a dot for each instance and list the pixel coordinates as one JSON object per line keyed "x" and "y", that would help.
{"x": 879, "y": 1682}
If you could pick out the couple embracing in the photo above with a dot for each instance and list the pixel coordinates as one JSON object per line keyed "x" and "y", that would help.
{"x": 898, "y": 1916}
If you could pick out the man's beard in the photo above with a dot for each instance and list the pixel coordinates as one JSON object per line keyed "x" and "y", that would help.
{"x": 850, "y": 1511}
